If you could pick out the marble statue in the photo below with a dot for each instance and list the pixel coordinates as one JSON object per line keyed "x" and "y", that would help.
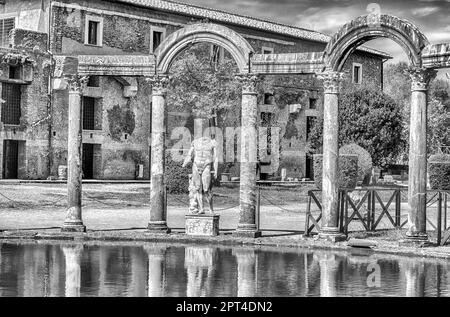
{"x": 204, "y": 158}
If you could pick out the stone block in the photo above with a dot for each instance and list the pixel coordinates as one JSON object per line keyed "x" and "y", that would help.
{"x": 202, "y": 225}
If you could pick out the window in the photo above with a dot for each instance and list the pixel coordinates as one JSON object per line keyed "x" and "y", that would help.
{"x": 6, "y": 25}
{"x": 357, "y": 73}
{"x": 15, "y": 72}
{"x": 157, "y": 36}
{"x": 217, "y": 54}
{"x": 267, "y": 50}
{"x": 94, "y": 81}
{"x": 94, "y": 31}
{"x": 310, "y": 121}
{"x": 88, "y": 113}
{"x": 312, "y": 103}
{"x": 268, "y": 99}
{"x": 11, "y": 94}
{"x": 266, "y": 121}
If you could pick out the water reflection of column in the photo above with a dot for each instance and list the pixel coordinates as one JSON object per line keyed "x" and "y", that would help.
{"x": 55, "y": 269}
{"x": 103, "y": 291}
{"x": 415, "y": 277}
{"x": 199, "y": 263}
{"x": 72, "y": 255}
{"x": 156, "y": 261}
{"x": 246, "y": 260}
{"x": 329, "y": 265}
{"x": 138, "y": 270}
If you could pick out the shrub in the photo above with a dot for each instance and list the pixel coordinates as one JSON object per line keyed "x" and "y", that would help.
{"x": 347, "y": 171}
{"x": 364, "y": 160}
{"x": 439, "y": 171}
{"x": 176, "y": 176}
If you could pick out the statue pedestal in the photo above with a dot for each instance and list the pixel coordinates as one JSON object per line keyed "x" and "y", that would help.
{"x": 202, "y": 225}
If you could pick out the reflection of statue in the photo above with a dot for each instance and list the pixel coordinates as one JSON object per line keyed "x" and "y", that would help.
{"x": 203, "y": 153}
{"x": 199, "y": 263}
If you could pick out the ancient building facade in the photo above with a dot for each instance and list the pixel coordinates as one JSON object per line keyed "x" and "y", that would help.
{"x": 117, "y": 110}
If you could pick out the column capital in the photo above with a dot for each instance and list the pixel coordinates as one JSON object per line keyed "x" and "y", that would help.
{"x": 249, "y": 82}
{"x": 159, "y": 84}
{"x": 76, "y": 83}
{"x": 332, "y": 81}
{"x": 421, "y": 77}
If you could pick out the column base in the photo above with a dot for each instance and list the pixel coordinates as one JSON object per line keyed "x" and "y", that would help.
{"x": 158, "y": 227}
{"x": 416, "y": 240}
{"x": 71, "y": 227}
{"x": 247, "y": 232}
{"x": 332, "y": 235}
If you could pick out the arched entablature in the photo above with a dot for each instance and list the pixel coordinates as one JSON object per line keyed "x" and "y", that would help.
{"x": 216, "y": 34}
{"x": 369, "y": 27}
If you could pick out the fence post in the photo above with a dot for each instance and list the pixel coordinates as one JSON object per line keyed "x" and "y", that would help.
{"x": 346, "y": 220}
{"x": 308, "y": 211}
{"x": 445, "y": 211}
{"x": 439, "y": 219}
{"x": 258, "y": 208}
{"x": 398, "y": 204}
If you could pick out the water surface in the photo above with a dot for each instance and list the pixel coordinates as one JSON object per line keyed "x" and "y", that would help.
{"x": 175, "y": 270}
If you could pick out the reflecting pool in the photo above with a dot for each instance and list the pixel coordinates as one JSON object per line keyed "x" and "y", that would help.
{"x": 41, "y": 269}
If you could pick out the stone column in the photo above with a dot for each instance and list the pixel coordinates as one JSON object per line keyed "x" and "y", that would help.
{"x": 72, "y": 255}
{"x": 246, "y": 272}
{"x": 158, "y": 208}
{"x": 156, "y": 262}
{"x": 332, "y": 82}
{"x": 74, "y": 222}
{"x": 417, "y": 184}
{"x": 249, "y": 140}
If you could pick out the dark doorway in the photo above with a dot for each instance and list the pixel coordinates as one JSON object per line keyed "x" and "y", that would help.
{"x": 88, "y": 161}
{"x": 10, "y": 159}
{"x": 309, "y": 167}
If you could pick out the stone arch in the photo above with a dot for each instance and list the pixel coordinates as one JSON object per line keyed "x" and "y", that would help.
{"x": 369, "y": 27}
{"x": 216, "y": 34}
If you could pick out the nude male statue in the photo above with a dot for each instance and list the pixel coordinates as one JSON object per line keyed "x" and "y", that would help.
{"x": 203, "y": 153}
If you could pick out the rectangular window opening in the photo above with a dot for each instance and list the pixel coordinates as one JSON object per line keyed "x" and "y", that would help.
{"x": 157, "y": 39}
{"x": 357, "y": 73}
{"x": 93, "y": 33}
{"x": 14, "y": 72}
{"x": 6, "y": 25}
{"x": 312, "y": 103}
{"x": 88, "y": 113}
{"x": 94, "y": 81}
{"x": 11, "y": 112}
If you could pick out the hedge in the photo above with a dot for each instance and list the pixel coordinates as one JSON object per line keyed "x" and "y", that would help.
{"x": 176, "y": 176}
{"x": 348, "y": 171}
{"x": 364, "y": 160}
{"x": 439, "y": 171}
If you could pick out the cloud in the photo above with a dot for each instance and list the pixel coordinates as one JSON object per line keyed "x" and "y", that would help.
{"x": 424, "y": 11}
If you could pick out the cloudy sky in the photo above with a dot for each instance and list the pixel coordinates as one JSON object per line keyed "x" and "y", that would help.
{"x": 431, "y": 16}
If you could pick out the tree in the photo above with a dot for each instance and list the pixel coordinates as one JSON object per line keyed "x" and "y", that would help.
{"x": 369, "y": 118}
{"x": 398, "y": 86}
{"x": 203, "y": 86}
